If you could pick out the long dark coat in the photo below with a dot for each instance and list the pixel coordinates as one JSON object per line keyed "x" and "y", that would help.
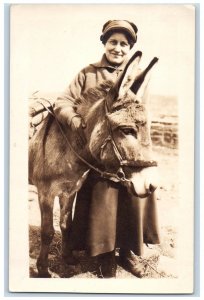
{"x": 107, "y": 217}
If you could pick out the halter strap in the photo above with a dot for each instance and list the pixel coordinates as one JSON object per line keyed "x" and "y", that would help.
{"x": 125, "y": 162}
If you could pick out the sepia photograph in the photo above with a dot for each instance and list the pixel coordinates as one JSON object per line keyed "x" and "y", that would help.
{"x": 102, "y": 100}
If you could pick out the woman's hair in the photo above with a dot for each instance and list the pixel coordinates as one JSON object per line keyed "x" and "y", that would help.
{"x": 129, "y": 29}
{"x": 109, "y": 33}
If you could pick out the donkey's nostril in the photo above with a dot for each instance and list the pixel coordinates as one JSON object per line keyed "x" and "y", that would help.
{"x": 152, "y": 188}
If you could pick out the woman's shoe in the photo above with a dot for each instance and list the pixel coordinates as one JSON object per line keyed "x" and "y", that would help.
{"x": 131, "y": 263}
{"x": 107, "y": 265}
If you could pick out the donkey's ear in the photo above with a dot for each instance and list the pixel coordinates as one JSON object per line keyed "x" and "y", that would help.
{"x": 140, "y": 84}
{"x": 128, "y": 75}
{"x": 125, "y": 81}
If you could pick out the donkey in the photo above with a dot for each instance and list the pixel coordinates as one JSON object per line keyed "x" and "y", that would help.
{"x": 118, "y": 148}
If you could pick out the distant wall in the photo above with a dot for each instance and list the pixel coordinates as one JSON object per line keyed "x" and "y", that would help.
{"x": 165, "y": 133}
{"x": 164, "y": 116}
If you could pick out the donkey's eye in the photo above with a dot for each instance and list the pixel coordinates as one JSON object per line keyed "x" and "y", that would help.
{"x": 129, "y": 131}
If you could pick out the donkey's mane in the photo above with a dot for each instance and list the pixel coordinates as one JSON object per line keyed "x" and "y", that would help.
{"x": 126, "y": 101}
{"x": 92, "y": 98}
{"x": 89, "y": 104}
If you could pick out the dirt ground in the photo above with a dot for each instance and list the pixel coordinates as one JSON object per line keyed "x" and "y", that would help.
{"x": 159, "y": 260}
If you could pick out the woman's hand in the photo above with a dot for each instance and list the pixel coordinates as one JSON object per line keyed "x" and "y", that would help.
{"x": 77, "y": 126}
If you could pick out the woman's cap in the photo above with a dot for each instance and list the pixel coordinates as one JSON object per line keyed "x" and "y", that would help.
{"x": 124, "y": 25}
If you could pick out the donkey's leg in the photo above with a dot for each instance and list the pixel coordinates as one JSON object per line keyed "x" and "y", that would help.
{"x": 66, "y": 204}
{"x": 46, "y": 202}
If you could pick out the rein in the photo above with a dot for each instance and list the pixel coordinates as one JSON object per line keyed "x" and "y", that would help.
{"x": 103, "y": 174}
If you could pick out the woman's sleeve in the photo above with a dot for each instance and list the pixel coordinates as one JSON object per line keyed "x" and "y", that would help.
{"x": 65, "y": 105}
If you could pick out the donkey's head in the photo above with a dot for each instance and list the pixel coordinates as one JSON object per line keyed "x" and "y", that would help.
{"x": 120, "y": 141}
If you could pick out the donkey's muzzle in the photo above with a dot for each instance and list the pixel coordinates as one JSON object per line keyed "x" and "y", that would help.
{"x": 143, "y": 182}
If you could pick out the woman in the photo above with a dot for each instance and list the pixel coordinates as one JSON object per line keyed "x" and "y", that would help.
{"x": 107, "y": 217}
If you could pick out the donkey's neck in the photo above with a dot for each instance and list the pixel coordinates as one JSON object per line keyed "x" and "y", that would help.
{"x": 96, "y": 111}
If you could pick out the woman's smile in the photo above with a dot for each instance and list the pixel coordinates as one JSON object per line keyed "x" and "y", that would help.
{"x": 116, "y": 54}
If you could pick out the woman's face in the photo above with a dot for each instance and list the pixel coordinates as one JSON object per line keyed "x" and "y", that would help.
{"x": 117, "y": 48}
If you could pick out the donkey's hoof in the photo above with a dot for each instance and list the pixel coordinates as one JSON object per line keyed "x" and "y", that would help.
{"x": 43, "y": 271}
{"x": 48, "y": 274}
{"x": 44, "y": 275}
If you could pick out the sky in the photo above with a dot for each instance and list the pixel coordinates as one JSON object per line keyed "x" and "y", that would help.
{"x": 50, "y": 44}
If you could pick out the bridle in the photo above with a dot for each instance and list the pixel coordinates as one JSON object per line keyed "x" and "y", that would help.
{"x": 124, "y": 162}
{"x": 119, "y": 176}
